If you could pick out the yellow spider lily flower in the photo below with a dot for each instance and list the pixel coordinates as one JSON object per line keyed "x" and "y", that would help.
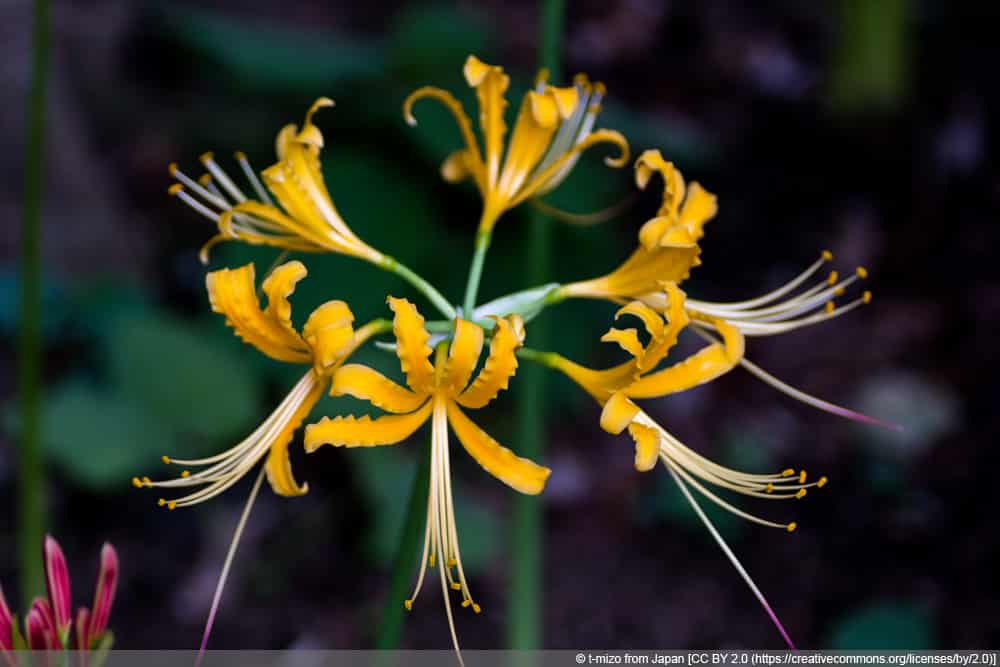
{"x": 325, "y": 341}
{"x": 554, "y": 126}
{"x": 304, "y": 217}
{"x": 668, "y": 243}
{"x": 668, "y": 250}
{"x": 615, "y": 389}
{"x": 436, "y": 392}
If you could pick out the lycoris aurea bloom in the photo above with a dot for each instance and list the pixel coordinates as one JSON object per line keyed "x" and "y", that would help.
{"x": 436, "y": 391}
{"x": 51, "y": 624}
{"x": 326, "y": 340}
{"x": 668, "y": 251}
{"x": 304, "y": 218}
{"x": 617, "y": 388}
{"x": 554, "y": 126}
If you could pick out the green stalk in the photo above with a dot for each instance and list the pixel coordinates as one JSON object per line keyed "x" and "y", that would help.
{"x": 483, "y": 238}
{"x": 408, "y": 553}
{"x": 424, "y": 287}
{"x": 524, "y": 622}
{"x": 31, "y": 476}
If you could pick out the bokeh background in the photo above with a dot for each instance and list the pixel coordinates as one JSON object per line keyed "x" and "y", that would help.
{"x": 868, "y": 128}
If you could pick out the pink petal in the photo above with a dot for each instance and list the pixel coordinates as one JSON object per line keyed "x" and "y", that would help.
{"x": 6, "y": 640}
{"x": 6, "y": 632}
{"x": 82, "y": 629}
{"x": 57, "y": 582}
{"x": 41, "y": 632}
{"x": 45, "y": 609}
{"x": 104, "y": 594}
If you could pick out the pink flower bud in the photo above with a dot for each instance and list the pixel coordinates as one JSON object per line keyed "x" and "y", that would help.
{"x": 104, "y": 594}
{"x": 6, "y": 623}
{"x": 82, "y": 630}
{"x": 42, "y": 635}
{"x": 57, "y": 582}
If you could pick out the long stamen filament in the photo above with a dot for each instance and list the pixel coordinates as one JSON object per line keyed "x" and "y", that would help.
{"x": 252, "y": 177}
{"x": 784, "y": 289}
{"x": 768, "y": 316}
{"x": 222, "y": 177}
{"x": 440, "y": 531}
{"x": 230, "y": 466}
{"x": 802, "y": 396}
{"x": 732, "y": 558}
{"x": 227, "y": 564}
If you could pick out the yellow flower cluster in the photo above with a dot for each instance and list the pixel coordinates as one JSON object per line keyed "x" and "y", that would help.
{"x": 291, "y": 208}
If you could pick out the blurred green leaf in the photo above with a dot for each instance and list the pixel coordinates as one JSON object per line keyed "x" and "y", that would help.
{"x": 269, "y": 58}
{"x": 192, "y": 381}
{"x": 427, "y": 43}
{"x": 871, "y": 56}
{"x": 100, "y": 439}
{"x": 55, "y": 305}
{"x": 883, "y": 626}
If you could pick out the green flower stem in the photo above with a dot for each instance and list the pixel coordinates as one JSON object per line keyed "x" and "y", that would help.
{"x": 424, "y": 287}
{"x": 31, "y": 474}
{"x": 391, "y": 626}
{"x": 524, "y": 621}
{"x": 539, "y": 357}
{"x": 483, "y": 238}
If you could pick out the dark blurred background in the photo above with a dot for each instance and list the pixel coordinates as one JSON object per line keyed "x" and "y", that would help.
{"x": 868, "y": 128}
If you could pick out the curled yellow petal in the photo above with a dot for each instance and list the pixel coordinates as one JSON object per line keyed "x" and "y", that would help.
{"x": 278, "y": 287}
{"x": 473, "y": 160}
{"x": 618, "y": 413}
{"x": 463, "y": 355}
{"x": 627, "y": 339}
{"x": 411, "y": 345}
{"x": 310, "y": 134}
{"x": 278, "y": 466}
{"x": 647, "y": 446}
{"x": 285, "y": 136}
{"x": 543, "y": 108}
{"x": 500, "y": 366}
{"x": 665, "y": 232}
{"x": 461, "y": 165}
{"x": 365, "y": 432}
{"x": 684, "y": 210}
{"x": 518, "y": 473}
{"x": 233, "y": 293}
{"x": 540, "y": 182}
{"x": 651, "y": 162}
{"x": 566, "y": 99}
{"x": 329, "y": 331}
{"x": 703, "y": 366}
{"x": 700, "y": 206}
{"x": 676, "y": 318}
{"x": 651, "y": 320}
{"x": 370, "y": 385}
{"x": 537, "y": 122}
{"x": 490, "y": 84}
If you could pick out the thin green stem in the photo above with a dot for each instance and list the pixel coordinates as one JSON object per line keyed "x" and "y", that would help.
{"x": 483, "y": 238}
{"x": 524, "y": 622}
{"x": 31, "y": 475}
{"x": 424, "y": 287}
{"x": 408, "y": 553}
{"x": 539, "y": 357}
